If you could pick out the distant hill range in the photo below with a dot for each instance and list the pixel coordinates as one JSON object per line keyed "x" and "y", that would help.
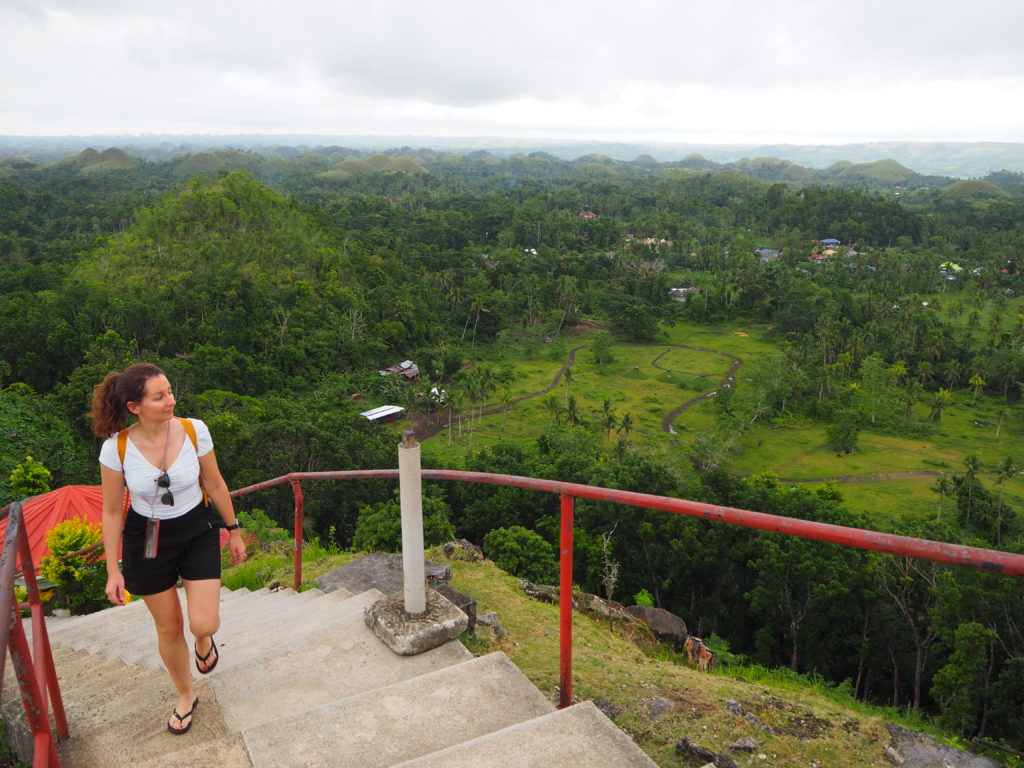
{"x": 877, "y": 160}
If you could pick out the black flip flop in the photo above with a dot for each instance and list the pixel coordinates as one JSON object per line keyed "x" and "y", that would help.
{"x": 204, "y": 659}
{"x": 180, "y": 718}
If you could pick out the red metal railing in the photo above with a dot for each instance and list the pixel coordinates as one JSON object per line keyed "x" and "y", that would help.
{"x": 36, "y": 673}
{"x": 952, "y": 554}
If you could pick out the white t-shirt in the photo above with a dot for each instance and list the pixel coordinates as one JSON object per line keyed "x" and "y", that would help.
{"x": 141, "y": 476}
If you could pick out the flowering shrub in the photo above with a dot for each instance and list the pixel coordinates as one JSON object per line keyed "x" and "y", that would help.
{"x": 80, "y": 580}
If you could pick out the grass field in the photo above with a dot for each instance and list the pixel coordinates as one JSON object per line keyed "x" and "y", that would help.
{"x": 889, "y": 475}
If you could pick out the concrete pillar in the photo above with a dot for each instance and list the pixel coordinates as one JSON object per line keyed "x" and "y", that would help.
{"x": 411, "y": 497}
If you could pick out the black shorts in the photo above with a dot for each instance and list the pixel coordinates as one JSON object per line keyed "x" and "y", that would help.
{"x": 188, "y": 546}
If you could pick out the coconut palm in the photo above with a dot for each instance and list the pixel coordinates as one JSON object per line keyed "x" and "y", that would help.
{"x": 1007, "y": 470}
{"x": 977, "y": 384}
{"x": 552, "y": 406}
{"x": 626, "y": 425}
{"x": 571, "y": 411}
{"x": 970, "y": 480}
{"x": 944, "y": 487}
{"x": 453, "y": 399}
{"x": 607, "y": 417}
{"x": 569, "y": 379}
{"x": 940, "y": 400}
{"x": 507, "y": 401}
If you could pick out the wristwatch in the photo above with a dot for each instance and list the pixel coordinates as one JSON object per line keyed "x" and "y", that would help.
{"x": 232, "y": 527}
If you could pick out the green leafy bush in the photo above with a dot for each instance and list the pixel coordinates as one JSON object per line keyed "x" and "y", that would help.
{"x": 523, "y": 553}
{"x": 379, "y": 526}
{"x": 80, "y": 580}
{"x": 643, "y": 597}
{"x": 262, "y": 527}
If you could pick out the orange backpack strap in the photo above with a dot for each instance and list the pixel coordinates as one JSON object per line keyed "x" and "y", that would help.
{"x": 122, "y": 448}
{"x": 190, "y": 430}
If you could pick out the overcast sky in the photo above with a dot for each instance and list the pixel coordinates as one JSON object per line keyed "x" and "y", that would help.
{"x": 719, "y": 71}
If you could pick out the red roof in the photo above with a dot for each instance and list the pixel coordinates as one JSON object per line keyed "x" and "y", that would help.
{"x": 47, "y": 510}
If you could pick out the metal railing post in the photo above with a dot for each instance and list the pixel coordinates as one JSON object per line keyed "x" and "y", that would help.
{"x": 297, "y": 493}
{"x": 565, "y": 602}
{"x": 410, "y": 494}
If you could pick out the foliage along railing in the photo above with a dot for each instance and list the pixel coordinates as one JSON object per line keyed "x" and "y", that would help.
{"x": 37, "y": 676}
{"x": 952, "y": 554}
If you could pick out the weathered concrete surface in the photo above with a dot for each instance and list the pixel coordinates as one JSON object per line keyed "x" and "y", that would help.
{"x": 330, "y": 663}
{"x": 382, "y": 571}
{"x": 402, "y": 721}
{"x": 575, "y": 736}
{"x": 302, "y": 681}
{"x": 410, "y": 635}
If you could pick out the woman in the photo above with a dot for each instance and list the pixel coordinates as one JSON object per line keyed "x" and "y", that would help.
{"x": 168, "y": 532}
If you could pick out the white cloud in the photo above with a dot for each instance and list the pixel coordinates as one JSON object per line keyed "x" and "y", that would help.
{"x": 731, "y": 69}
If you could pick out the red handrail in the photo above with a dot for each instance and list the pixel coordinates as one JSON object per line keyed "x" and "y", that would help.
{"x": 953, "y": 554}
{"x": 36, "y": 673}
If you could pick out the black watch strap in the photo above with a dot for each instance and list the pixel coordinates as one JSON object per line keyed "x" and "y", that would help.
{"x": 232, "y": 527}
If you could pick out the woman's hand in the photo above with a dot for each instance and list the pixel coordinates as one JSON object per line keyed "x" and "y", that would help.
{"x": 115, "y": 587}
{"x": 236, "y": 546}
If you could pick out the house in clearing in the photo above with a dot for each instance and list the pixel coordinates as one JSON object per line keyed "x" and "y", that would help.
{"x": 405, "y": 370}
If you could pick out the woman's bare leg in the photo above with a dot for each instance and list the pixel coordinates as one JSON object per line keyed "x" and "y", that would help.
{"x": 165, "y": 607}
{"x": 203, "y": 613}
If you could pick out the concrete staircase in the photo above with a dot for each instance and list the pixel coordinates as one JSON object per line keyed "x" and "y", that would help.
{"x": 302, "y": 681}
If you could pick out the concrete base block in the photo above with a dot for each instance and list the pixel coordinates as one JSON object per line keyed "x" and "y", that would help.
{"x": 409, "y": 635}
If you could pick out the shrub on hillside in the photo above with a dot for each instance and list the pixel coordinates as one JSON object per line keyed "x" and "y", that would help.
{"x": 379, "y": 526}
{"x": 523, "y": 553}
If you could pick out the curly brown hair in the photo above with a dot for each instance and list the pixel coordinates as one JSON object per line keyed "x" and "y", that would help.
{"x": 111, "y": 396}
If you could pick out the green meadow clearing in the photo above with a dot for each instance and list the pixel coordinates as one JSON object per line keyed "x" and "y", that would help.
{"x": 888, "y": 476}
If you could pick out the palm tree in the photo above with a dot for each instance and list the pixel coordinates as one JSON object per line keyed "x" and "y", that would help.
{"x": 1001, "y": 413}
{"x": 977, "y": 384}
{"x": 953, "y": 373}
{"x": 474, "y": 394}
{"x": 571, "y": 411}
{"x": 626, "y": 425}
{"x": 453, "y": 399}
{"x": 607, "y": 417}
{"x": 940, "y": 400}
{"x": 1007, "y": 470}
{"x": 552, "y": 406}
{"x": 488, "y": 382}
{"x": 568, "y": 377}
{"x": 944, "y": 487}
{"x": 567, "y": 296}
{"x": 970, "y": 479}
{"x": 910, "y": 398}
{"x": 898, "y": 370}
{"x": 507, "y": 401}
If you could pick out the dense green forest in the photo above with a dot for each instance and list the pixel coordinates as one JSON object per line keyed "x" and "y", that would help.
{"x": 272, "y": 290}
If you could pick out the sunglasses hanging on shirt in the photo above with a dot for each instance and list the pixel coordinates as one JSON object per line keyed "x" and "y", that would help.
{"x": 165, "y": 482}
{"x": 149, "y": 547}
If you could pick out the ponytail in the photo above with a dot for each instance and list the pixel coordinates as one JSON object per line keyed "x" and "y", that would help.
{"x": 111, "y": 396}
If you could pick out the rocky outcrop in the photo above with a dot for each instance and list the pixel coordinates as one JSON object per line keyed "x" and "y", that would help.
{"x": 666, "y": 626}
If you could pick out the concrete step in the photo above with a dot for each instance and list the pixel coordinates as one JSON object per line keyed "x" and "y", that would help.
{"x": 334, "y": 662}
{"x": 138, "y": 631}
{"x": 381, "y": 727}
{"x": 302, "y": 681}
{"x": 125, "y": 726}
{"x": 232, "y": 614}
{"x": 237, "y": 642}
{"x": 579, "y": 735}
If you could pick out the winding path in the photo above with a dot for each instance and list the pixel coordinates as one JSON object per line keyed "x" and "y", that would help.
{"x": 424, "y": 430}
{"x": 730, "y": 375}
